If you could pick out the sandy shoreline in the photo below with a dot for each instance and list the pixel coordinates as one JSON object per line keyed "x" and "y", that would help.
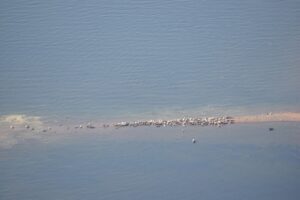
{"x": 270, "y": 117}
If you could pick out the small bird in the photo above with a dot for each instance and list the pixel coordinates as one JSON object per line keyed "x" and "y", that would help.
{"x": 193, "y": 140}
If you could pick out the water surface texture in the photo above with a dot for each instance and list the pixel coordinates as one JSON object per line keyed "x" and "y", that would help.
{"x": 119, "y": 58}
{"x": 65, "y": 63}
{"x": 237, "y": 162}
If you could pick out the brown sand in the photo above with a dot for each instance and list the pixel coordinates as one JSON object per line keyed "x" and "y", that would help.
{"x": 270, "y": 117}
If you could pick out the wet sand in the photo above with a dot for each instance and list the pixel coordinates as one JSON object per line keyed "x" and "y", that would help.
{"x": 30, "y": 122}
{"x": 15, "y": 128}
{"x": 269, "y": 117}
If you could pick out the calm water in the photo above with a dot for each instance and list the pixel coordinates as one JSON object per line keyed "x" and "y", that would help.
{"x": 236, "y": 162}
{"x": 106, "y": 60}
{"x": 110, "y": 59}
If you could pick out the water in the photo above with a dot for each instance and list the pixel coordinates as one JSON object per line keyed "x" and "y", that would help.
{"x": 242, "y": 162}
{"x": 68, "y": 61}
{"x": 109, "y": 59}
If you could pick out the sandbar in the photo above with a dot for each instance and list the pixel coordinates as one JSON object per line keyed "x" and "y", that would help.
{"x": 269, "y": 117}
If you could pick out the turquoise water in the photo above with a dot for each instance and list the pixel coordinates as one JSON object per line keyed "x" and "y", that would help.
{"x": 101, "y": 59}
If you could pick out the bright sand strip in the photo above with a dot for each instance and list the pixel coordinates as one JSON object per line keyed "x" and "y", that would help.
{"x": 270, "y": 117}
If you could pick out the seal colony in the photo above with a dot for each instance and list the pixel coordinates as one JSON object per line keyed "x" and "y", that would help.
{"x": 206, "y": 121}
{"x": 17, "y": 127}
{"x": 185, "y": 121}
{"x": 35, "y": 124}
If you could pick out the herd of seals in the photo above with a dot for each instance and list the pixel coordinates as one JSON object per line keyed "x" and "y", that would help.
{"x": 186, "y": 121}
{"x": 206, "y": 121}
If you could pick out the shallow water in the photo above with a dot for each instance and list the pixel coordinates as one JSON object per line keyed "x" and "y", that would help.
{"x": 241, "y": 161}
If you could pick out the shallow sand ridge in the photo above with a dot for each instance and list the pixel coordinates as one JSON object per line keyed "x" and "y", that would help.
{"x": 15, "y": 128}
{"x": 36, "y": 122}
{"x": 270, "y": 117}
{"x": 217, "y": 121}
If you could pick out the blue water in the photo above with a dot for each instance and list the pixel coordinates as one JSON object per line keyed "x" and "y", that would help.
{"x": 119, "y": 58}
{"x": 237, "y": 162}
{"x": 71, "y": 61}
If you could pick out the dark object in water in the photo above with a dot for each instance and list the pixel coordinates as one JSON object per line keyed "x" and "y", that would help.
{"x": 271, "y": 129}
{"x": 90, "y": 126}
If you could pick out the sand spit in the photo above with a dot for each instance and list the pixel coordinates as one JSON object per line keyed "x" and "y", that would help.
{"x": 33, "y": 123}
{"x": 206, "y": 121}
{"x": 18, "y": 119}
{"x": 214, "y": 121}
{"x": 15, "y": 128}
{"x": 269, "y": 117}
